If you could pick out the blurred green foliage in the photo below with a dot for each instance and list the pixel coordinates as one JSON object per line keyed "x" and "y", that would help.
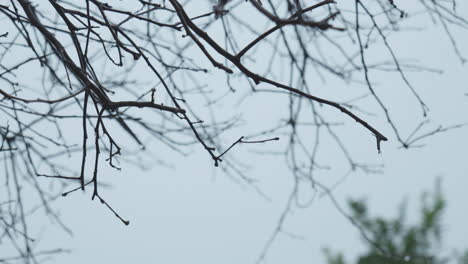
{"x": 394, "y": 241}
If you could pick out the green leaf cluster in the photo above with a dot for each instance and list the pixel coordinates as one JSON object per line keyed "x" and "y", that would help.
{"x": 395, "y": 241}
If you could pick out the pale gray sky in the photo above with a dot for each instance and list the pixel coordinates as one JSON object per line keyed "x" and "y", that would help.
{"x": 195, "y": 214}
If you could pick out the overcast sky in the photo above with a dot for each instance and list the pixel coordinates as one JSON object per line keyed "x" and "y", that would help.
{"x": 192, "y": 213}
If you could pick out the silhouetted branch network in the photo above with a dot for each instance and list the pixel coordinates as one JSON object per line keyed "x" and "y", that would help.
{"x": 84, "y": 82}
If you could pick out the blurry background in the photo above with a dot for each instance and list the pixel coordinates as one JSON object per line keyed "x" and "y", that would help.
{"x": 188, "y": 211}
